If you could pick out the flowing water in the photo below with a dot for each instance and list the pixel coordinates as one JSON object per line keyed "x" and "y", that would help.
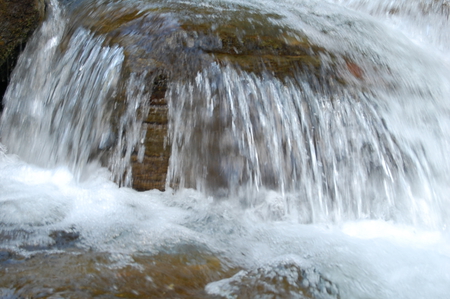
{"x": 319, "y": 179}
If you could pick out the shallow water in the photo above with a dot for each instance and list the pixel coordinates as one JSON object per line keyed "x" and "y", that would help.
{"x": 63, "y": 238}
{"x": 358, "y": 208}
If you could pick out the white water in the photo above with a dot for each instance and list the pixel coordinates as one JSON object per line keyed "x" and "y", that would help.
{"x": 362, "y": 259}
{"x": 382, "y": 237}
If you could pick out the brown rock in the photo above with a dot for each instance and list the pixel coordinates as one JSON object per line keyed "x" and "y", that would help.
{"x": 92, "y": 275}
{"x": 168, "y": 45}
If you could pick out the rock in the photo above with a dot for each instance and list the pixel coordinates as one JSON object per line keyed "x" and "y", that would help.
{"x": 169, "y": 45}
{"x": 284, "y": 279}
{"x": 89, "y": 274}
{"x": 18, "y": 20}
{"x": 151, "y": 172}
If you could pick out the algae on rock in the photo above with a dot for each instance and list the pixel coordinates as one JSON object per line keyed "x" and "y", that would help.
{"x": 18, "y": 20}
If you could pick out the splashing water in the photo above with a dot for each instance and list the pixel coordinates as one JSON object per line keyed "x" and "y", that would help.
{"x": 319, "y": 179}
{"x": 54, "y": 120}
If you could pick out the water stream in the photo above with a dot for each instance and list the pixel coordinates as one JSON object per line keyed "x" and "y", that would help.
{"x": 324, "y": 177}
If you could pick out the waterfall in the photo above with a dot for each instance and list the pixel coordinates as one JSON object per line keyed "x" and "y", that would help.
{"x": 64, "y": 116}
{"x": 59, "y": 117}
{"x": 300, "y": 149}
{"x": 328, "y": 152}
{"x": 334, "y": 147}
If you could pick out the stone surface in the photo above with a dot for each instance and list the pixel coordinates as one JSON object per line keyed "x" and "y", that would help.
{"x": 18, "y": 20}
{"x": 77, "y": 274}
{"x": 279, "y": 280}
{"x": 166, "y": 45}
{"x": 151, "y": 172}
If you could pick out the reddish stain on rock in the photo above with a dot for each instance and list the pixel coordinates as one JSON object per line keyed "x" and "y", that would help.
{"x": 355, "y": 70}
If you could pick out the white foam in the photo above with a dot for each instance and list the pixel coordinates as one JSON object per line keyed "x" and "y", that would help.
{"x": 373, "y": 229}
{"x": 376, "y": 258}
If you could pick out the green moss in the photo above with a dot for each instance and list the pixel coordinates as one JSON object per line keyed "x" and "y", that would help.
{"x": 18, "y": 20}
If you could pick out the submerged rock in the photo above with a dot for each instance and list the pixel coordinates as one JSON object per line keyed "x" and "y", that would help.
{"x": 18, "y": 20}
{"x": 279, "y": 280}
{"x": 104, "y": 275}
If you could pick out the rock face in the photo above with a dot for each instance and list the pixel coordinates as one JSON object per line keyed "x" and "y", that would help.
{"x": 169, "y": 46}
{"x": 150, "y": 173}
{"x": 18, "y": 20}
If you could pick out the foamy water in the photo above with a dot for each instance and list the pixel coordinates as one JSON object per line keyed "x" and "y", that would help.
{"x": 358, "y": 259}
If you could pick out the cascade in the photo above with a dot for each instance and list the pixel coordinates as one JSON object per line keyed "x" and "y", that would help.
{"x": 319, "y": 136}
{"x": 274, "y": 130}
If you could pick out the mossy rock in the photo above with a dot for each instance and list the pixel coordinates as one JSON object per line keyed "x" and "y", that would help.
{"x": 18, "y": 20}
{"x": 165, "y": 34}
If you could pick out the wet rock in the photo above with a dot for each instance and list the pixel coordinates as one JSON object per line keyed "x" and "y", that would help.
{"x": 279, "y": 280}
{"x": 64, "y": 239}
{"x": 103, "y": 275}
{"x": 4, "y": 255}
{"x": 149, "y": 172}
{"x": 167, "y": 45}
{"x": 18, "y": 20}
